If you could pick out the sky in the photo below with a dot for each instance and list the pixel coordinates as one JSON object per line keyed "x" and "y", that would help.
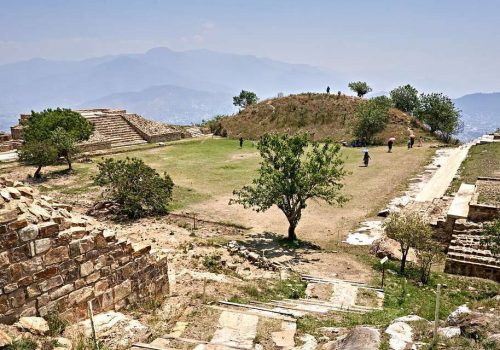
{"x": 451, "y": 46}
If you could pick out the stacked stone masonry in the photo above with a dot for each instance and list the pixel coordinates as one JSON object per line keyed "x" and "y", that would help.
{"x": 466, "y": 256}
{"x": 52, "y": 260}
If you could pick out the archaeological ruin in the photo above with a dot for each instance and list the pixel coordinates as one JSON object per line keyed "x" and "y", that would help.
{"x": 113, "y": 128}
{"x": 53, "y": 260}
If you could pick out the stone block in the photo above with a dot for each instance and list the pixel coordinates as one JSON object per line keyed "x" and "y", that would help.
{"x": 8, "y": 241}
{"x": 20, "y": 223}
{"x": 33, "y": 291}
{"x": 51, "y": 283}
{"x": 28, "y": 233}
{"x": 81, "y": 295}
{"x": 17, "y": 298}
{"x": 93, "y": 277}
{"x": 59, "y": 292}
{"x": 86, "y": 268}
{"x": 17, "y": 271}
{"x": 4, "y": 260}
{"x": 20, "y": 253}
{"x": 48, "y": 229}
{"x": 122, "y": 290}
{"x": 42, "y": 245}
{"x": 56, "y": 255}
{"x": 9, "y": 288}
{"x": 100, "y": 287}
{"x": 47, "y": 273}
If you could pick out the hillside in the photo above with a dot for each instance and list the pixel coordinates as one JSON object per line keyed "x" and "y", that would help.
{"x": 480, "y": 113}
{"x": 319, "y": 114}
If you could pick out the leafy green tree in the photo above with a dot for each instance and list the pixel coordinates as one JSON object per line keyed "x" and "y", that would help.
{"x": 439, "y": 113}
{"x": 408, "y": 229}
{"x": 61, "y": 128}
{"x": 245, "y": 99}
{"x": 373, "y": 116}
{"x": 39, "y": 154}
{"x": 292, "y": 171}
{"x": 136, "y": 187}
{"x": 361, "y": 88}
{"x": 405, "y": 98}
{"x": 214, "y": 124}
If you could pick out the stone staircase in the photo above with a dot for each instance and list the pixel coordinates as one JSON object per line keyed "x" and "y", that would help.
{"x": 116, "y": 129}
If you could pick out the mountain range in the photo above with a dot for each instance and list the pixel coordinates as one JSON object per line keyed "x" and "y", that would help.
{"x": 181, "y": 87}
{"x": 177, "y": 87}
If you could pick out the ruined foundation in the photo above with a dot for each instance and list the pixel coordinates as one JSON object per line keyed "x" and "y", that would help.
{"x": 52, "y": 260}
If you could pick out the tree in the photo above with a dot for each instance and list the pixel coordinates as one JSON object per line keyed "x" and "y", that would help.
{"x": 373, "y": 116}
{"x": 405, "y": 98}
{"x": 136, "y": 187}
{"x": 360, "y": 87}
{"x": 39, "y": 154}
{"x": 292, "y": 171}
{"x": 245, "y": 99}
{"x": 439, "y": 113}
{"x": 408, "y": 229}
{"x": 428, "y": 252}
{"x": 60, "y": 129}
{"x": 491, "y": 237}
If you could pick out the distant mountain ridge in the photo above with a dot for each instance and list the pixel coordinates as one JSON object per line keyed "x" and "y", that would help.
{"x": 480, "y": 113}
{"x": 38, "y": 83}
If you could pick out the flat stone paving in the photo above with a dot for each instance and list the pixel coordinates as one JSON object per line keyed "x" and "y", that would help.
{"x": 459, "y": 208}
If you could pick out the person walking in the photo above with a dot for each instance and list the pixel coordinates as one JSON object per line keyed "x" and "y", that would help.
{"x": 412, "y": 140}
{"x": 328, "y": 90}
{"x": 420, "y": 141}
{"x": 390, "y": 143}
{"x": 366, "y": 158}
{"x": 241, "y": 142}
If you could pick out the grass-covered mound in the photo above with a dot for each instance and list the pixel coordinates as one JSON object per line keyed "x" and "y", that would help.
{"x": 321, "y": 115}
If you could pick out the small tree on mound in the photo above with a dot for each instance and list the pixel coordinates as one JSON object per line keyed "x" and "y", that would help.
{"x": 59, "y": 129}
{"x": 428, "y": 253}
{"x": 408, "y": 230}
{"x": 361, "y": 88}
{"x": 245, "y": 99}
{"x": 292, "y": 171}
{"x": 373, "y": 116}
{"x": 136, "y": 187}
{"x": 405, "y": 98}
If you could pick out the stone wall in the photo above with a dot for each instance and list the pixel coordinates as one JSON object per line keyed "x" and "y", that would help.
{"x": 152, "y": 131}
{"x": 52, "y": 260}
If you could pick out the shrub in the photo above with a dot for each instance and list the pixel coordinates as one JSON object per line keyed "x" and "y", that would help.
{"x": 136, "y": 187}
{"x": 373, "y": 116}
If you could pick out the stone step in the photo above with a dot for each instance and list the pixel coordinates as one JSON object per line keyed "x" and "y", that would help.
{"x": 473, "y": 258}
{"x": 127, "y": 143}
{"x": 469, "y": 250}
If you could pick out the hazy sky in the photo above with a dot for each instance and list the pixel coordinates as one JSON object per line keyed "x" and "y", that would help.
{"x": 443, "y": 45}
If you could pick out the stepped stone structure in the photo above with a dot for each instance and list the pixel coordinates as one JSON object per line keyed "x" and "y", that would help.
{"x": 115, "y": 128}
{"x": 52, "y": 260}
{"x": 471, "y": 208}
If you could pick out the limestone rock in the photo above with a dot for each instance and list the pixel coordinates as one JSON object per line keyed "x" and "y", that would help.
{"x": 5, "y": 339}
{"x": 455, "y": 316}
{"x": 113, "y": 328}
{"x": 388, "y": 247}
{"x": 409, "y": 318}
{"x": 309, "y": 343}
{"x": 400, "y": 334}
{"x": 34, "y": 325}
{"x": 63, "y": 344}
{"x": 449, "y": 332}
{"x": 360, "y": 338}
{"x": 476, "y": 324}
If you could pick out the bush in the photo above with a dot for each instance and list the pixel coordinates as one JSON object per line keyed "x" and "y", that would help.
{"x": 373, "y": 116}
{"x": 136, "y": 187}
{"x": 214, "y": 124}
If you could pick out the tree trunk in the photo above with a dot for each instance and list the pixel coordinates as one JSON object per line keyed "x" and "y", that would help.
{"x": 70, "y": 165}
{"x": 37, "y": 174}
{"x": 404, "y": 253}
{"x": 291, "y": 233}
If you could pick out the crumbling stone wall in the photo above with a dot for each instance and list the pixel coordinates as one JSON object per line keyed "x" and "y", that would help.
{"x": 152, "y": 131}
{"x": 52, "y": 260}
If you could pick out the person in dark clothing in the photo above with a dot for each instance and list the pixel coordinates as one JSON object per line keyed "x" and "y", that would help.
{"x": 390, "y": 143}
{"x": 241, "y": 142}
{"x": 409, "y": 144}
{"x": 366, "y": 158}
{"x": 412, "y": 140}
{"x": 328, "y": 90}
